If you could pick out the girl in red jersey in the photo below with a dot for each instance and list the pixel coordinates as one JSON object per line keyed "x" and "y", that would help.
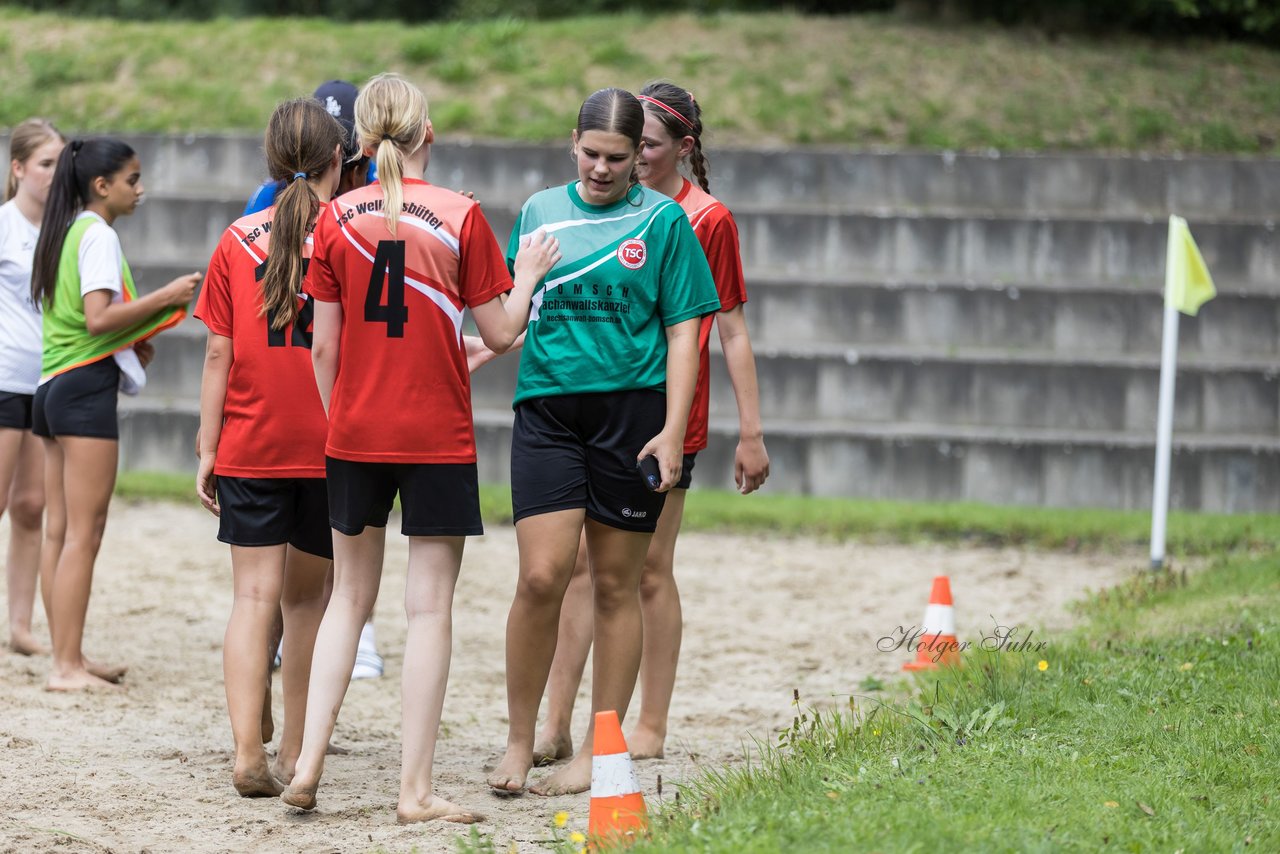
{"x": 262, "y": 431}
{"x": 672, "y": 136}
{"x": 395, "y": 264}
{"x": 34, "y": 147}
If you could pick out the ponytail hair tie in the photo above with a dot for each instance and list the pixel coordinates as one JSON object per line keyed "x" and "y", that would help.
{"x": 386, "y": 137}
{"x": 297, "y": 175}
{"x": 76, "y": 145}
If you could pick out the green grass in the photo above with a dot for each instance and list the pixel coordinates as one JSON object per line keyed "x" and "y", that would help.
{"x": 1155, "y": 728}
{"x": 774, "y": 78}
{"x": 843, "y": 518}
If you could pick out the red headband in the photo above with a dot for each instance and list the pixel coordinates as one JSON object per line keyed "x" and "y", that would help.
{"x": 673, "y": 112}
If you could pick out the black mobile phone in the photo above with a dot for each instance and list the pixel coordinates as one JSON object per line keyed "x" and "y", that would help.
{"x": 649, "y": 471}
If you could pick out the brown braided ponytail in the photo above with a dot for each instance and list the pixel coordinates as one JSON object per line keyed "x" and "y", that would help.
{"x": 682, "y": 117}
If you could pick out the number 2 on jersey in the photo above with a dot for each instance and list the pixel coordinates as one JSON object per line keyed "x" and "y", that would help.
{"x": 388, "y": 266}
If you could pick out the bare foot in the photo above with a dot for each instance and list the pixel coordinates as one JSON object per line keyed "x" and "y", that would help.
{"x": 568, "y": 779}
{"x": 300, "y": 797}
{"x": 25, "y": 643}
{"x": 510, "y": 775}
{"x": 645, "y": 744}
{"x": 79, "y": 680}
{"x": 336, "y": 750}
{"x": 256, "y": 782}
{"x": 549, "y": 749}
{"x": 282, "y": 771}
{"x": 436, "y": 808}
{"x": 113, "y": 673}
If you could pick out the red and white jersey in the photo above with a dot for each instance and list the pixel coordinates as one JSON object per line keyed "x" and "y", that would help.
{"x": 403, "y": 392}
{"x": 718, "y": 234}
{"x": 273, "y": 422}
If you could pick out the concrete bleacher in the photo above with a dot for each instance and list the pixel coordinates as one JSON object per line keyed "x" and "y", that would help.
{"x": 927, "y": 326}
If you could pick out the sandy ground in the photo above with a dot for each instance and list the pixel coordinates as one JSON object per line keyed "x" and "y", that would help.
{"x": 150, "y": 769}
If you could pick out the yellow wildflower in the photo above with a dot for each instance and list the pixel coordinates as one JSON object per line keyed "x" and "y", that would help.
{"x": 577, "y": 838}
{"x": 562, "y": 818}
{"x": 1043, "y": 665}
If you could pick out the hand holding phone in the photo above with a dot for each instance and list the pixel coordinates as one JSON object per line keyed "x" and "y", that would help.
{"x": 648, "y": 468}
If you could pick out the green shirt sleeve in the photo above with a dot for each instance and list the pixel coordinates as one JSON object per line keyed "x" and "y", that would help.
{"x": 686, "y": 288}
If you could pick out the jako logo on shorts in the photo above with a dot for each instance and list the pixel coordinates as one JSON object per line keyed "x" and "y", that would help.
{"x": 632, "y": 254}
{"x": 628, "y": 513}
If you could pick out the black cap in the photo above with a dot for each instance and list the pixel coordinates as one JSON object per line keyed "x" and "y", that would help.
{"x": 339, "y": 98}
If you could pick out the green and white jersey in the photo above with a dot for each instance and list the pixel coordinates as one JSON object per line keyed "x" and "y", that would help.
{"x": 627, "y": 271}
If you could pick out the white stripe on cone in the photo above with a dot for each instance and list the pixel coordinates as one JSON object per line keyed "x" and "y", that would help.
{"x": 939, "y": 620}
{"x": 613, "y": 776}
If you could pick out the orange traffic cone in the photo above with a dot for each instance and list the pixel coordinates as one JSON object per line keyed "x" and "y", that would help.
{"x": 937, "y": 643}
{"x": 617, "y": 807}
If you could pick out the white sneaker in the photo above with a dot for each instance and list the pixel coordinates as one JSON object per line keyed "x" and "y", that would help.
{"x": 368, "y": 663}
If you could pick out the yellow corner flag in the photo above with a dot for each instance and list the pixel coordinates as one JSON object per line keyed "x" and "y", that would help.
{"x": 1187, "y": 283}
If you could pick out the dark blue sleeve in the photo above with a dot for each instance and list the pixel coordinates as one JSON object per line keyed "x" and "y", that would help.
{"x": 372, "y": 174}
{"x": 263, "y": 198}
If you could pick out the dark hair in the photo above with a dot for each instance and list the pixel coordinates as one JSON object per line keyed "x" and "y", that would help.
{"x": 613, "y": 110}
{"x": 81, "y": 163}
{"x": 680, "y": 101}
{"x": 301, "y": 138}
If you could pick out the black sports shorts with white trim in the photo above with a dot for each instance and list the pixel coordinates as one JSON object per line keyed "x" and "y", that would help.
{"x": 579, "y": 451}
{"x": 436, "y": 499}
{"x": 15, "y": 410}
{"x": 271, "y": 511}
{"x": 686, "y": 471}
{"x": 79, "y": 402}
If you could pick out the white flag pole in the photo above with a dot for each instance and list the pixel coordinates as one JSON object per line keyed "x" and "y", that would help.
{"x": 1164, "y": 418}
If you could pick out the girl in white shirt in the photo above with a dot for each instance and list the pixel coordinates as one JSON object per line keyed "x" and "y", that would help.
{"x": 34, "y": 147}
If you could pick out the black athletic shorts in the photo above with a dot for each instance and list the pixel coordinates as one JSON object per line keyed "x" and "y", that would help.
{"x": 15, "y": 410}
{"x": 436, "y": 499}
{"x": 79, "y": 402}
{"x": 579, "y": 451}
{"x": 270, "y": 511}
{"x": 686, "y": 471}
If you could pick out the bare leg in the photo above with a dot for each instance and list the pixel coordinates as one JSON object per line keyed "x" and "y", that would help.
{"x": 548, "y": 544}
{"x": 273, "y": 647}
{"x": 428, "y": 646}
{"x": 22, "y": 493}
{"x": 302, "y": 601}
{"x": 258, "y": 577}
{"x": 55, "y": 528}
{"x": 617, "y": 562}
{"x": 87, "y": 496}
{"x": 357, "y": 570}
{"x": 663, "y": 627}
{"x": 572, "y": 647}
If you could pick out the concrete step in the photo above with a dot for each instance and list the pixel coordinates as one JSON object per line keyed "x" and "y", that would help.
{"x": 1059, "y": 318}
{"x": 1065, "y": 468}
{"x": 908, "y": 385}
{"x": 1063, "y": 318}
{"x": 185, "y": 231}
{"x": 831, "y": 178}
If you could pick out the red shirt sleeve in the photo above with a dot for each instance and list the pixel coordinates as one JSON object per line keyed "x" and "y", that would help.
{"x": 721, "y": 247}
{"x": 214, "y": 305}
{"x": 320, "y": 282}
{"x": 482, "y": 271}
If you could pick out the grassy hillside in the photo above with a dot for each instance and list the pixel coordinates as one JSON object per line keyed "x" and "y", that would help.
{"x": 763, "y": 79}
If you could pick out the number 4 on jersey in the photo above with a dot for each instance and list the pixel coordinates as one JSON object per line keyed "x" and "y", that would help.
{"x": 388, "y": 266}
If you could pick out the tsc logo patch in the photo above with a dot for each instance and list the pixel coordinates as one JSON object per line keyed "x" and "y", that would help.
{"x": 632, "y": 253}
